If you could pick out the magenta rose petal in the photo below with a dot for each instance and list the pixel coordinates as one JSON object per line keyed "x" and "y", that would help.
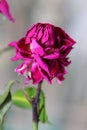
{"x": 36, "y": 74}
{"x": 42, "y": 64}
{"x": 24, "y": 69}
{"x": 4, "y": 9}
{"x": 21, "y": 69}
{"x": 55, "y": 55}
{"x": 16, "y": 57}
{"x": 30, "y": 33}
{"x": 13, "y": 44}
{"x": 36, "y": 48}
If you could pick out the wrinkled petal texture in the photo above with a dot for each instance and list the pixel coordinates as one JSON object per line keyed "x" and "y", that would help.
{"x": 4, "y": 9}
{"x": 44, "y": 51}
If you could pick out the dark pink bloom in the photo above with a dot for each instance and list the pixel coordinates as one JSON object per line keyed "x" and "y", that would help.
{"x": 4, "y": 9}
{"x": 44, "y": 51}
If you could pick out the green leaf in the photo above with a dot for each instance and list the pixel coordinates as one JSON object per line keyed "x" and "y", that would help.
{"x": 7, "y": 89}
{"x": 42, "y": 115}
{"x": 20, "y": 100}
{"x": 4, "y": 107}
{"x": 5, "y": 101}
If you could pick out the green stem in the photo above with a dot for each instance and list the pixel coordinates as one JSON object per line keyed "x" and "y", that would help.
{"x": 0, "y": 126}
{"x": 35, "y": 102}
{"x": 7, "y": 48}
{"x": 35, "y": 125}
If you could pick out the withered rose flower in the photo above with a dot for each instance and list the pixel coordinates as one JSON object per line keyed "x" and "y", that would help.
{"x": 43, "y": 50}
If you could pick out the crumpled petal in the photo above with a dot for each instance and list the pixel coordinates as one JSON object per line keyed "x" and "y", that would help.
{"x": 36, "y": 74}
{"x": 52, "y": 56}
{"x": 22, "y": 50}
{"x": 24, "y": 69}
{"x": 36, "y": 48}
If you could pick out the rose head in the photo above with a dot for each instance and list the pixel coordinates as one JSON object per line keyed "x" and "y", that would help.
{"x": 4, "y": 9}
{"x": 44, "y": 51}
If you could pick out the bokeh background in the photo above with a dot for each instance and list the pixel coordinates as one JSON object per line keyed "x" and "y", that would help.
{"x": 66, "y": 104}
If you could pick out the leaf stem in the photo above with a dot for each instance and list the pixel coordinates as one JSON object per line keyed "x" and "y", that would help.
{"x": 24, "y": 92}
{"x": 26, "y": 96}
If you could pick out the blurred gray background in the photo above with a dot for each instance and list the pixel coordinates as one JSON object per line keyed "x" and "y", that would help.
{"x": 66, "y": 104}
